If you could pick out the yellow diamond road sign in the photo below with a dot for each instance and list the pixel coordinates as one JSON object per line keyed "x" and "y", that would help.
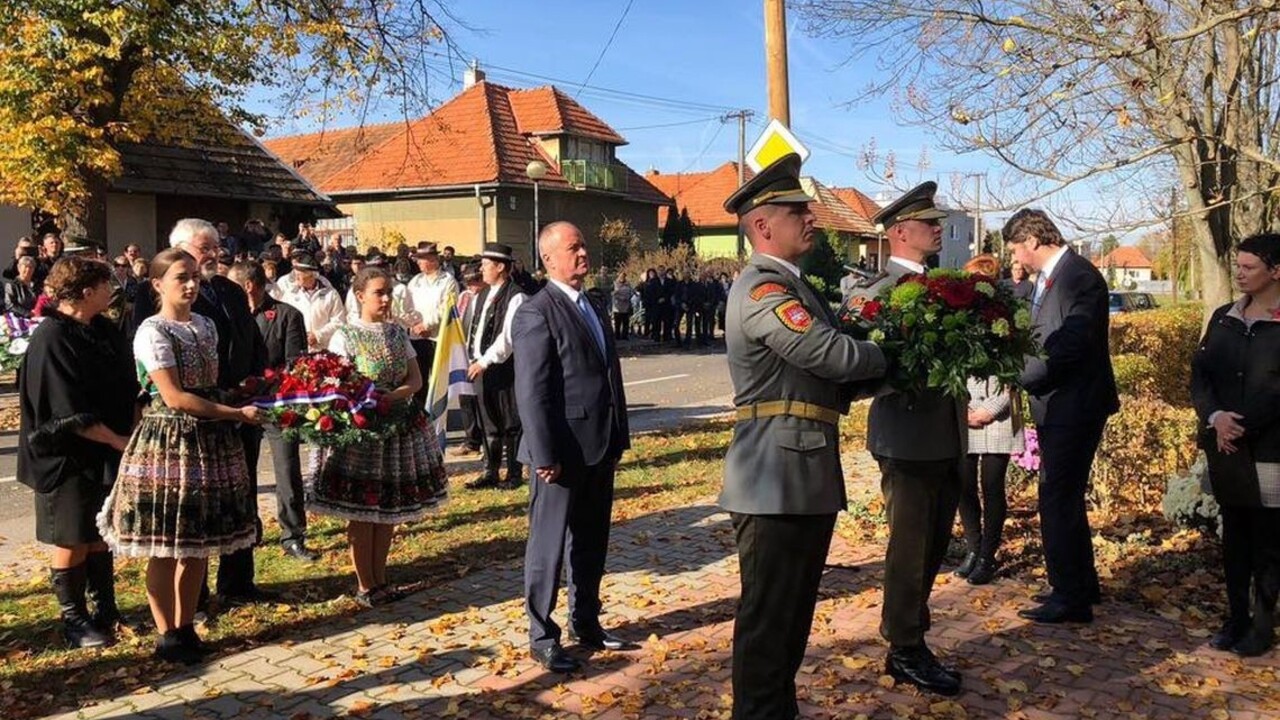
{"x": 773, "y": 143}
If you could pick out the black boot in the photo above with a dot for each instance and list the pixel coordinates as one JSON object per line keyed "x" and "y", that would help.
{"x": 170, "y": 648}
{"x": 984, "y": 571}
{"x": 101, "y": 591}
{"x": 77, "y": 628}
{"x": 966, "y": 565}
{"x": 190, "y": 641}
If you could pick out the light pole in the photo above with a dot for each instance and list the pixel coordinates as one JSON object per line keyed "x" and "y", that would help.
{"x": 536, "y": 170}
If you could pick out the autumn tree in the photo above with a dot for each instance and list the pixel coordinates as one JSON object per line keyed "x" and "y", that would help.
{"x": 79, "y": 77}
{"x": 1133, "y": 96}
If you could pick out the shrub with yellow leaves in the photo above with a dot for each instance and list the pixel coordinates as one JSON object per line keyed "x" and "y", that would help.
{"x": 1151, "y": 351}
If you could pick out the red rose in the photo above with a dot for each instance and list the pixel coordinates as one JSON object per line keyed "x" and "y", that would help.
{"x": 288, "y": 419}
{"x": 871, "y": 310}
{"x": 325, "y": 423}
{"x": 360, "y": 420}
{"x": 341, "y": 404}
{"x": 958, "y": 295}
{"x": 251, "y": 385}
{"x": 269, "y": 374}
{"x": 270, "y": 315}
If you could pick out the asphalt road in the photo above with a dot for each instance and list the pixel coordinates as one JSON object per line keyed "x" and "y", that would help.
{"x": 663, "y": 390}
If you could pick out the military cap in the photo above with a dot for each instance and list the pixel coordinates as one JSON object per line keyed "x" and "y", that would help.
{"x": 777, "y": 184}
{"x": 917, "y": 204}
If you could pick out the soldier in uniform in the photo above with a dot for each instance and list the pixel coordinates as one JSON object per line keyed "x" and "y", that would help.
{"x": 918, "y": 440}
{"x": 783, "y": 482}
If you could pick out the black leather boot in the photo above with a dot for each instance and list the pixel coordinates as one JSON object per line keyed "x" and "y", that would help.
{"x": 984, "y": 571}
{"x": 101, "y": 591}
{"x": 966, "y": 565}
{"x": 77, "y": 628}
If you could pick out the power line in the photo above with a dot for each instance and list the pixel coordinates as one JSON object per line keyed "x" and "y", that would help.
{"x": 607, "y": 44}
{"x": 672, "y": 102}
{"x": 705, "y": 148}
{"x": 667, "y": 125}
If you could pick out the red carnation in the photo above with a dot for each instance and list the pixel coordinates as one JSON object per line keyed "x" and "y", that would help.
{"x": 360, "y": 420}
{"x": 288, "y": 419}
{"x": 341, "y": 405}
{"x": 871, "y": 310}
{"x": 325, "y": 423}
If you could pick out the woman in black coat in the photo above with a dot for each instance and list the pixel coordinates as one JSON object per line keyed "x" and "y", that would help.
{"x": 78, "y": 393}
{"x": 1235, "y": 386}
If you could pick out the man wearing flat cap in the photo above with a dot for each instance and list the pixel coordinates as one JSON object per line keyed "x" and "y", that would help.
{"x": 321, "y": 306}
{"x": 783, "y": 484}
{"x": 918, "y": 440}
{"x": 430, "y": 292}
{"x": 493, "y": 368}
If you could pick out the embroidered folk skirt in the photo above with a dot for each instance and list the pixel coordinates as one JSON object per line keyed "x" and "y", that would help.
{"x": 398, "y": 479}
{"x": 182, "y": 491}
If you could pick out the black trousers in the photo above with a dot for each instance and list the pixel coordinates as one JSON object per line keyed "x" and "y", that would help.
{"x": 1251, "y": 560}
{"x": 920, "y": 499}
{"x": 286, "y": 465}
{"x": 500, "y": 420}
{"x": 426, "y": 356}
{"x": 707, "y": 320}
{"x": 567, "y": 519}
{"x": 622, "y": 325}
{"x": 983, "y": 504}
{"x": 235, "y": 571}
{"x": 473, "y": 431}
{"x": 781, "y": 559}
{"x": 1066, "y": 454}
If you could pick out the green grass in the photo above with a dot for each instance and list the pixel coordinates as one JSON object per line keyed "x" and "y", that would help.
{"x": 474, "y": 530}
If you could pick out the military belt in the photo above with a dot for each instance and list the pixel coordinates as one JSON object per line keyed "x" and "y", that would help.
{"x": 791, "y": 408}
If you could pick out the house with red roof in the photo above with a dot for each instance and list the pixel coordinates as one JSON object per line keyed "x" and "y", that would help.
{"x": 459, "y": 176}
{"x": 703, "y": 194}
{"x": 1126, "y": 266}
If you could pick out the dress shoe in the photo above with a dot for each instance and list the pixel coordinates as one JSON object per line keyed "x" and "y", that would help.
{"x": 984, "y": 571}
{"x": 1048, "y": 596}
{"x": 917, "y": 666}
{"x": 484, "y": 482}
{"x": 1055, "y": 612}
{"x": 253, "y": 596}
{"x": 1231, "y": 632}
{"x": 512, "y": 482}
{"x": 171, "y": 649}
{"x": 966, "y": 565}
{"x": 600, "y": 639}
{"x": 1255, "y": 643}
{"x": 555, "y": 659}
{"x": 296, "y": 549}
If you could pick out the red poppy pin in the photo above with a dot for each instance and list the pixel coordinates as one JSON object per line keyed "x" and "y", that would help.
{"x": 270, "y": 315}
{"x": 1048, "y": 284}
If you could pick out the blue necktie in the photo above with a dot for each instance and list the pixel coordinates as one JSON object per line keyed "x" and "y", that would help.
{"x": 1038, "y": 296}
{"x": 593, "y": 322}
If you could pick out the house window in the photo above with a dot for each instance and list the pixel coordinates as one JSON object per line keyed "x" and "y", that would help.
{"x": 583, "y": 149}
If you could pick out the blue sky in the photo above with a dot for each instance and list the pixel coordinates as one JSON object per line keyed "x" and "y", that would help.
{"x": 708, "y": 52}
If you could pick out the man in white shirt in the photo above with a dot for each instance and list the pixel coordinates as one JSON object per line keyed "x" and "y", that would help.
{"x": 493, "y": 368}
{"x": 429, "y": 294}
{"x": 322, "y": 310}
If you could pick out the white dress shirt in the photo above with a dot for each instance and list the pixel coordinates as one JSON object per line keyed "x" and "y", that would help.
{"x": 911, "y": 265}
{"x": 502, "y": 346}
{"x": 426, "y": 300}
{"x": 322, "y": 310}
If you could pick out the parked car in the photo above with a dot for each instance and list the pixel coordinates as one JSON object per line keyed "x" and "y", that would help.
{"x": 1122, "y": 302}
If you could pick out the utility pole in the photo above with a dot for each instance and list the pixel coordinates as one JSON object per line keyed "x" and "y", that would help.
{"x": 775, "y": 45}
{"x": 743, "y": 116}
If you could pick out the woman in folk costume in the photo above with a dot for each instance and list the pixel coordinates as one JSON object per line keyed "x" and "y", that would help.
{"x": 377, "y": 485}
{"x": 182, "y": 494}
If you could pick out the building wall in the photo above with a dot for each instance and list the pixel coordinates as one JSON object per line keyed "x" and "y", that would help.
{"x": 719, "y": 242}
{"x": 448, "y": 221}
{"x": 586, "y": 210}
{"x": 958, "y": 231}
{"x": 130, "y": 219}
{"x": 15, "y": 222}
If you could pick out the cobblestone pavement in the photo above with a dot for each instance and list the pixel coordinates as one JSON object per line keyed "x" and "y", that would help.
{"x": 458, "y": 651}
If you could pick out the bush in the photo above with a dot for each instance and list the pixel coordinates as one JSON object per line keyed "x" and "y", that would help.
{"x": 1143, "y": 444}
{"x": 1165, "y": 338}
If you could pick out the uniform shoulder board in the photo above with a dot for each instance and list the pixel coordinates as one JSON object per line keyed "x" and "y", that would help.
{"x": 768, "y": 287}
{"x": 870, "y": 280}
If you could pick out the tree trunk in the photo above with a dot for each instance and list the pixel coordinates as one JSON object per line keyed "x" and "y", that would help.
{"x": 87, "y": 221}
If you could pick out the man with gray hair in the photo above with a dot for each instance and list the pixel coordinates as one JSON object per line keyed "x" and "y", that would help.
{"x": 241, "y": 353}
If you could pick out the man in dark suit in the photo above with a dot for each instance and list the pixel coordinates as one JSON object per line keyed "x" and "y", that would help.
{"x": 1073, "y": 391}
{"x": 573, "y": 413}
{"x": 284, "y": 335}
{"x": 241, "y": 354}
{"x": 918, "y": 441}
{"x": 783, "y": 483}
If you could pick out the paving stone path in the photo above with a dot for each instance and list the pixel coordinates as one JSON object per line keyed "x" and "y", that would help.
{"x": 458, "y": 651}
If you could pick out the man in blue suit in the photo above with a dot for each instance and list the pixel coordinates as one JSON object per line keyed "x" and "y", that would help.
{"x": 574, "y": 416}
{"x": 1073, "y": 391}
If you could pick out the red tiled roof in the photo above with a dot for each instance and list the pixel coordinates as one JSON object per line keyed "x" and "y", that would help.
{"x": 547, "y": 111}
{"x": 1125, "y": 256}
{"x": 480, "y": 135}
{"x": 703, "y": 194}
{"x": 858, "y": 200}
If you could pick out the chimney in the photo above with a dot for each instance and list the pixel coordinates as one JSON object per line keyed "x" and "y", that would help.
{"x": 473, "y": 75}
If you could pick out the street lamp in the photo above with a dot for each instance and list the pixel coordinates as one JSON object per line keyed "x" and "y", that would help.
{"x": 536, "y": 170}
